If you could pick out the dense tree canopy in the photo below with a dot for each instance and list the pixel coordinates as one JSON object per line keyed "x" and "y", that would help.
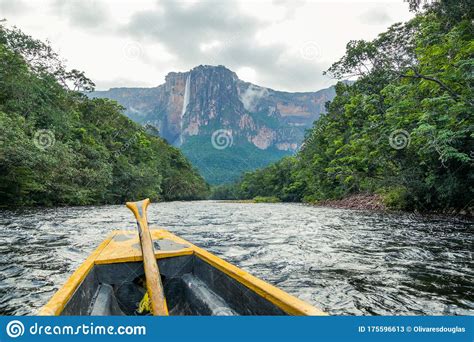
{"x": 404, "y": 129}
{"x": 59, "y": 147}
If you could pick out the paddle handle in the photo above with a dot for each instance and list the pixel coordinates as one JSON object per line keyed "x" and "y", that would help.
{"x": 152, "y": 272}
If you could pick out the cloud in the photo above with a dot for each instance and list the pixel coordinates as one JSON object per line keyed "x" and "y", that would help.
{"x": 12, "y": 7}
{"x": 252, "y": 95}
{"x": 295, "y": 76}
{"x": 182, "y": 29}
{"x": 219, "y": 33}
{"x": 84, "y": 14}
{"x": 283, "y": 45}
{"x": 375, "y": 16}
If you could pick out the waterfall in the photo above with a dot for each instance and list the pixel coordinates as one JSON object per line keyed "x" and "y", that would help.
{"x": 186, "y": 95}
{"x": 185, "y": 106}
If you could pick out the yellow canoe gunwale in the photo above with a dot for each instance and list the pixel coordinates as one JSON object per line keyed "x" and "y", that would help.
{"x": 116, "y": 250}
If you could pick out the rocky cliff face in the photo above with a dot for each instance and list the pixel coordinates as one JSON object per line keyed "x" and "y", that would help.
{"x": 209, "y": 99}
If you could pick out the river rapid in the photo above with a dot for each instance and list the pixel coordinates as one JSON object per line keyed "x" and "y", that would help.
{"x": 346, "y": 262}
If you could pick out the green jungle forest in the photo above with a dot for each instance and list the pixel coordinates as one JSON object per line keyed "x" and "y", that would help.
{"x": 403, "y": 130}
{"x": 60, "y": 148}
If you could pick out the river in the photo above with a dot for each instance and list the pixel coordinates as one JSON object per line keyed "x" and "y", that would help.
{"x": 345, "y": 262}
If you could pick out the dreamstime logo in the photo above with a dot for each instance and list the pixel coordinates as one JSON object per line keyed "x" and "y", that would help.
{"x": 132, "y": 50}
{"x": 221, "y": 139}
{"x": 44, "y": 139}
{"x": 399, "y": 139}
{"x": 15, "y": 329}
{"x": 310, "y": 51}
{"x": 125, "y": 147}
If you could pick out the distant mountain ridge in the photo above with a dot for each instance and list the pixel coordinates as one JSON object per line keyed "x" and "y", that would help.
{"x": 190, "y": 107}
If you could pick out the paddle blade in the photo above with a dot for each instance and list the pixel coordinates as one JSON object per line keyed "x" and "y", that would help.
{"x": 139, "y": 208}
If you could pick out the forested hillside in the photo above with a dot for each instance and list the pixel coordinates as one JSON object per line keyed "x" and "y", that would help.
{"x": 403, "y": 130}
{"x": 193, "y": 108}
{"x": 59, "y": 147}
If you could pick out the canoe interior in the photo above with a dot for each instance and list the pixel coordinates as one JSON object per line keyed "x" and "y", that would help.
{"x": 192, "y": 287}
{"x": 111, "y": 282}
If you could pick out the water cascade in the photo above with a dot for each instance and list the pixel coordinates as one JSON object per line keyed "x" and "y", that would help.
{"x": 185, "y": 105}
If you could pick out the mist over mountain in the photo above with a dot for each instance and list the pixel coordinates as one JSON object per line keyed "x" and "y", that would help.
{"x": 224, "y": 125}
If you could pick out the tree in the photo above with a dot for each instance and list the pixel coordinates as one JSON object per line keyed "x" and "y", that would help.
{"x": 60, "y": 148}
{"x": 403, "y": 129}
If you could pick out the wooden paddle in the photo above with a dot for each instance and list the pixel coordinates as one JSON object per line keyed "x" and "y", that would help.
{"x": 152, "y": 273}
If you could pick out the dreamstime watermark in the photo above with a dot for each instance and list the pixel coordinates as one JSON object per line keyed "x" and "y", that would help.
{"x": 221, "y": 139}
{"x": 399, "y": 139}
{"x": 132, "y": 50}
{"x": 310, "y": 50}
{"x": 314, "y": 134}
{"x": 15, "y": 329}
{"x": 125, "y": 146}
{"x": 44, "y": 139}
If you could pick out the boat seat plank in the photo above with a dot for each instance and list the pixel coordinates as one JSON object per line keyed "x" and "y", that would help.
{"x": 125, "y": 247}
{"x": 105, "y": 303}
{"x": 203, "y": 299}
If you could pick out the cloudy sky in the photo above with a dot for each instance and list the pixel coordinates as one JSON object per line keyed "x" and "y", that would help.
{"x": 283, "y": 45}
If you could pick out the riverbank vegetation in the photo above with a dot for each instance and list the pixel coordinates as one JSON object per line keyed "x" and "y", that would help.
{"x": 402, "y": 131}
{"x": 60, "y": 148}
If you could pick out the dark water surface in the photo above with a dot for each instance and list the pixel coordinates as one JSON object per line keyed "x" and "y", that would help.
{"x": 345, "y": 262}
